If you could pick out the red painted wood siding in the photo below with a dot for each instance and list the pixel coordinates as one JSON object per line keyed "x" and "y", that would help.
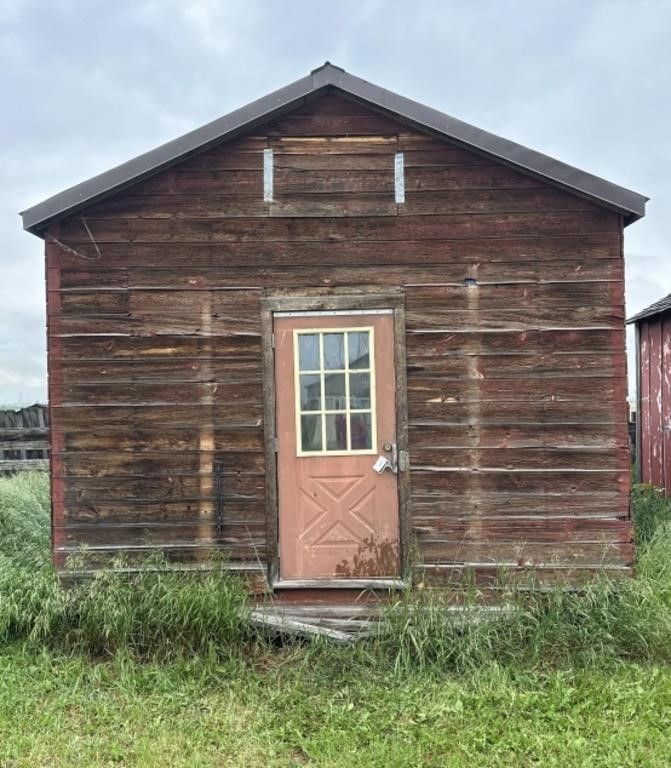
{"x": 516, "y": 386}
{"x": 655, "y": 401}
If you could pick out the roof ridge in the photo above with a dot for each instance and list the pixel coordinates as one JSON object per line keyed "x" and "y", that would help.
{"x": 625, "y": 201}
{"x": 326, "y": 65}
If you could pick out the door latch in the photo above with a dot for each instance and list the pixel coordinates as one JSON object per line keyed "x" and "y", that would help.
{"x": 382, "y": 464}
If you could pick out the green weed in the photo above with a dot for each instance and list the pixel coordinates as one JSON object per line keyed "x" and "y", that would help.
{"x": 24, "y": 517}
{"x": 605, "y": 620}
{"x": 651, "y": 510}
{"x": 158, "y": 611}
{"x": 166, "y": 612}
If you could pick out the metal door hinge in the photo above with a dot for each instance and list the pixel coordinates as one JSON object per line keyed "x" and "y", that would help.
{"x": 272, "y": 340}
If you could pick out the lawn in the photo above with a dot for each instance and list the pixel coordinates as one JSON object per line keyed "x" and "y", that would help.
{"x": 66, "y": 711}
{"x": 564, "y": 684}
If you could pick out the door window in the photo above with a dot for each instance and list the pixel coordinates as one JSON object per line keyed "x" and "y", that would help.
{"x": 335, "y": 391}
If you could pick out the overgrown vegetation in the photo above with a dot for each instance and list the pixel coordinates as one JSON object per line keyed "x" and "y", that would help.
{"x": 166, "y": 613}
{"x": 606, "y": 619}
{"x": 562, "y": 678}
{"x": 158, "y": 612}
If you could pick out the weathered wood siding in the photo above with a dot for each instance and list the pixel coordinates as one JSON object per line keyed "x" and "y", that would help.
{"x": 516, "y": 386}
{"x": 654, "y": 338}
{"x": 24, "y": 439}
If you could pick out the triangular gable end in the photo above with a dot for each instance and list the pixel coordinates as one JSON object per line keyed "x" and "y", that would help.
{"x": 322, "y": 80}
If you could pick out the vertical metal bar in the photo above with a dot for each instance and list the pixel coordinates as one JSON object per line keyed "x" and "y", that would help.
{"x": 218, "y": 499}
{"x": 268, "y": 175}
{"x": 399, "y": 177}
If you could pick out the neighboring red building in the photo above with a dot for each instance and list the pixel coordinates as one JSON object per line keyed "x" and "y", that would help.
{"x": 653, "y": 393}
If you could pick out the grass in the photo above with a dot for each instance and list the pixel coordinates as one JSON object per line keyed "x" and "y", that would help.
{"x": 160, "y": 612}
{"x": 63, "y": 711}
{"x": 162, "y": 669}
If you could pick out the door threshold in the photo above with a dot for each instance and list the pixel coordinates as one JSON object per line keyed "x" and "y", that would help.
{"x": 381, "y": 583}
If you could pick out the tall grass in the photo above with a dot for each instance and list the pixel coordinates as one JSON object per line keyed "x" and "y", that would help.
{"x": 156, "y": 612}
{"x": 165, "y": 613}
{"x": 652, "y": 511}
{"x": 607, "y": 619}
{"x": 24, "y": 518}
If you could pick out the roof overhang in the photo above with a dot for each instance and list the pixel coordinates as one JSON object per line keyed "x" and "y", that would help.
{"x": 626, "y": 202}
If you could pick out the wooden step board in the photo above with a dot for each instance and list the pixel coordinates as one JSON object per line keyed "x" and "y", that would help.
{"x": 344, "y": 622}
{"x": 341, "y": 623}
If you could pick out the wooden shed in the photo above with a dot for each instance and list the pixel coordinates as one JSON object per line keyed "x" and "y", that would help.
{"x": 345, "y": 340}
{"x": 653, "y": 393}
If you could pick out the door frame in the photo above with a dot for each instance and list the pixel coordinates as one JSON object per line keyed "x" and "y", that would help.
{"x": 342, "y": 303}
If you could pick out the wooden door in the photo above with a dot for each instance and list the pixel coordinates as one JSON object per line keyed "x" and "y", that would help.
{"x": 335, "y": 395}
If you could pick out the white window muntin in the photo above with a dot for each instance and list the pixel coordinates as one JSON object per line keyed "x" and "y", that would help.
{"x": 322, "y": 372}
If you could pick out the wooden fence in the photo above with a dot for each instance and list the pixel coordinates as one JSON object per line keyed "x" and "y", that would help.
{"x": 24, "y": 439}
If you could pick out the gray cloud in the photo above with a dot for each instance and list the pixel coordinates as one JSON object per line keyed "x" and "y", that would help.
{"x": 86, "y": 85}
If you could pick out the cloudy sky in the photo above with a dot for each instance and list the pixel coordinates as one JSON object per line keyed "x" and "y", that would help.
{"x": 87, "y": 84}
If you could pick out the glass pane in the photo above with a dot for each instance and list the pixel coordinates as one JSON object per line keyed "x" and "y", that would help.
{"x": 336, "y": 432}
{"x": 361, "y": 431}
{"x": 359, "y": 349}
{"x": 334, "y": 395}
{"x": 334, "y": 351}
{"x": 311, "y": 392}
{"x": 308, "y": 351}
{"x": 359, "y": 390}
{"x": 311, "y": 433}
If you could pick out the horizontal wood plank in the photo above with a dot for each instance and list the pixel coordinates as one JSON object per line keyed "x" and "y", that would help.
{"x": 439, "y": 227}
{"x": 566, "y": 255}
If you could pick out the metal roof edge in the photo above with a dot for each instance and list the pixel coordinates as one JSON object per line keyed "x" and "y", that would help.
{"x": 631, "y": 204}
{"x": 626, "y": 200}
{"x": 154, "y": 160}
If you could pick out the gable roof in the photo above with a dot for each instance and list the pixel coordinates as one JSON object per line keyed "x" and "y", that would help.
{"x": 662, "y": 305}
{"x": 329, "y": 77}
